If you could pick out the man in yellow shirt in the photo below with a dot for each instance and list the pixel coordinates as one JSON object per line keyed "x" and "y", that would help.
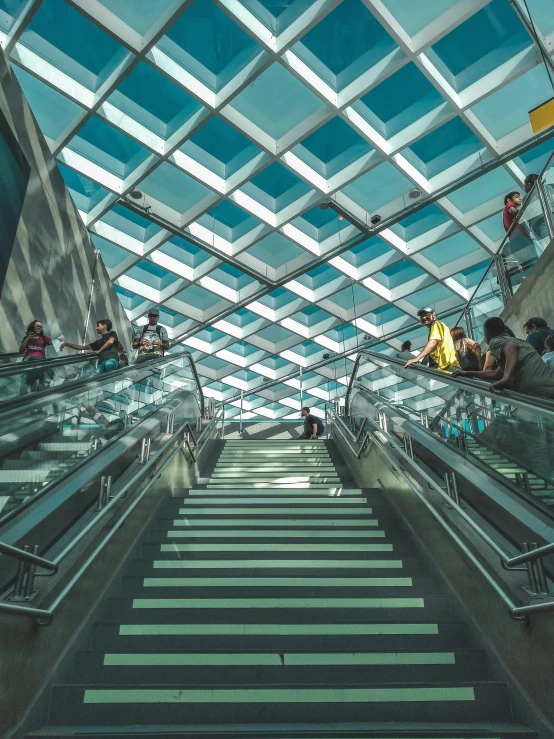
{"x": 439, "y": 344}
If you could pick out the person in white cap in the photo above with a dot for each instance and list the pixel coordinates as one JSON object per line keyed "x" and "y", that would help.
{"x": 440, "y": 346}
{"x": 150, "y": 340}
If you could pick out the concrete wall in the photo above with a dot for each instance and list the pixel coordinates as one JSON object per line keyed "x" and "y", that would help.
{"x": 535, "y": 297}
{"x": 522, "y": 652}
{"x": 50, "y": 272}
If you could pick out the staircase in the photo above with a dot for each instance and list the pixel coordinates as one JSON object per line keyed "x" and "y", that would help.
{"x": 273, "y": 601}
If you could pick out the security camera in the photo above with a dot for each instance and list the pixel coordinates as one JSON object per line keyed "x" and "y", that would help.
{"x": 375, "y": 219}
{"x": 326, "y": 356}
{"x": 324, "y": 205}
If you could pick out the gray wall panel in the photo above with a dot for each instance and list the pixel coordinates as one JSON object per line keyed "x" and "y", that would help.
{"x": 50, "y": 271}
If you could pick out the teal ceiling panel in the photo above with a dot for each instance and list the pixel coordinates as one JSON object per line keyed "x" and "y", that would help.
{"x": 266, "y": 136}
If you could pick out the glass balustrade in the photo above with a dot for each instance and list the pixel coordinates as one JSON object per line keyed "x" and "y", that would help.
{"x": 509, "y": 434}
{"x": 43, "y": 436}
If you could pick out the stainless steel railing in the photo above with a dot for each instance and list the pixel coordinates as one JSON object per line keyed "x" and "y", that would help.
{"x": 377, "y": 432}
{"x": 184, "y": 437}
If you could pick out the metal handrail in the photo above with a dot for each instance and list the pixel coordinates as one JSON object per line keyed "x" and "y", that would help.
{"x": 52, "y": 565}
{"x": 541, "y": 405}
{"x": 28, "y": 557}
{"x": 60, "y": 392}
{"x": 505, "y": 481}
{"x": 519, "y": 613}
{"x": 17, "y": 368}
{"x": 44, "y": 616}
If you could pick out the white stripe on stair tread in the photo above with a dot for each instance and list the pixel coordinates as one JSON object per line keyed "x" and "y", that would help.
{"x": 273, "y": 582}
{"x": 328, "y": 492}
{"x": 292, "y": 547}
{"x": 153, "y": 659}
{"x": 330, "y": 503}
{"x": 247, "y": 603}
{"x": 222, "y": 564}
{"x": 318, "y": 523}
{"x": 276, "y": 533}
{"x": 273, "y": 485}
{"x": 333, "y": 509}
{"x": 279, "y": 695}
{"x": 336, "y": 629}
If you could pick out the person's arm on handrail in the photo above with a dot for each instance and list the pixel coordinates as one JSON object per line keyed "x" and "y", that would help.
{"x": 491, "y": 371}
{"x": 427, "y": 349}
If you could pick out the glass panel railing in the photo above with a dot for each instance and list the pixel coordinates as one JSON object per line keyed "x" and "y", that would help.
{"x": 529, "y": 235}
{"x": 509, "y": 434}
{"x": 45, "y": 435}
{"x": 419, "y": 395}
{"x": 33, "y": 376}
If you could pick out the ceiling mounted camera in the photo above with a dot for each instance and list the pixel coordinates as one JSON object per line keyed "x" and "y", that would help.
{"x": 375, "y": 219}
{"x": 136, "y": 195}
{"x": 414, "y": 193}
{"x": 323, "y": 206}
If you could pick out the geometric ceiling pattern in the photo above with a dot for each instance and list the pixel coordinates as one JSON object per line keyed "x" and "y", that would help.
{"x": 200, "y": 140}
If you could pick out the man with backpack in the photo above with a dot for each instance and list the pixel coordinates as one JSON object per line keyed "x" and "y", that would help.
{"x": 313, "y": 426}
{"x": 150, "y": 340}
{"x": 107, "y": 347}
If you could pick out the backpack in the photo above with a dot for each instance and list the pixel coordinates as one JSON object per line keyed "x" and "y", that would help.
{"x": 123, "y": 356}
{"x": 468, "y": 360}
{"x": 158, "y": 331}
{"x": 320, "y": 426}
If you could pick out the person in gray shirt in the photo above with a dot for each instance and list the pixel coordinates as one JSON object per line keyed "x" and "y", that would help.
{"x": 512, "y": 364}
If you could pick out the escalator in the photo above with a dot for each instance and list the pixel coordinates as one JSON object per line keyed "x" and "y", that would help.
{"x": 271, "y": 596}
{"x": 22, "y": 377}
{"x": 507, "y": 435}
{"x": 52, "y": 441}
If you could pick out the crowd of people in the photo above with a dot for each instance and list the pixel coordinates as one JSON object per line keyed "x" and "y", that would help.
{"x": 149, "y": 341}
{"x": 509, "y": 363}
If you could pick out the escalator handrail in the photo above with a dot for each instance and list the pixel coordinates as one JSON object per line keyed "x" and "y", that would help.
{"x": 77, "y": 468}
{"x": 542, "y": 406}
{"x": 44, "y": 616}
{"x": 519, "y": 613}
{"x": 378, "y": 399}
{"x": 60, "y": 392}
{"x": 17, "y": 368}
{"x": 4, "y": 356}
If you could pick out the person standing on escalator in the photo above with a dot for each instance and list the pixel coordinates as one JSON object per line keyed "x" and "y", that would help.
{"x": 33, "y": 347}
{"x": 106, "y": 347}
{"x": 439, "y": 347}
{"x": 150, "y": 341}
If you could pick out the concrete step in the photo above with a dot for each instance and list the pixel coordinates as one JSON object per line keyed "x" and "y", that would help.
{"x": 323, "y": 491}
{"x": 188, "y": 586}
{"x": 369, "y": 730}
{"x": 300, "y": 610}
{"x": 288, "y": 668}
{"x": 468, "y": 702}
{"x": 331, "y": 637}
{"x": 370, "y": 566}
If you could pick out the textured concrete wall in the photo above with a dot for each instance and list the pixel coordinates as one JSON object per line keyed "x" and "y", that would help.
{"x": 49, "y": 275}
{"x": 521, "y": 653}
{"x": 535, "y": 297}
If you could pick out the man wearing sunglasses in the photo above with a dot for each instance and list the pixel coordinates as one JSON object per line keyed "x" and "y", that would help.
{"x": 151, "y": 340}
